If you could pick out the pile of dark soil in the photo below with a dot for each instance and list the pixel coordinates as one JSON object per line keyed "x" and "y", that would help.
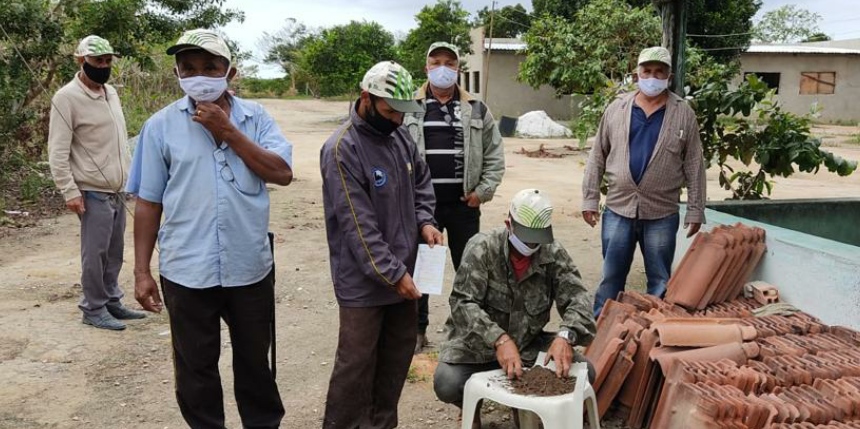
{"x": 539, "y": 381}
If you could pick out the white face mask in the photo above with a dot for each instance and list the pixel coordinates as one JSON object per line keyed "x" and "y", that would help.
{"x": 203, "y": 88}
{"x": 442, "y": 77}
{"x": 520, "y": 246}
{"x": 652, "y": 87}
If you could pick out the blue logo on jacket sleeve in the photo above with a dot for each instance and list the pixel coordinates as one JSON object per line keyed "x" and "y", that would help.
{"x": 379, "y": 177}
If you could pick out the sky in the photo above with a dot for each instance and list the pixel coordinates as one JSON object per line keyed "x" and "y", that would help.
{"x": 840, "y": 19}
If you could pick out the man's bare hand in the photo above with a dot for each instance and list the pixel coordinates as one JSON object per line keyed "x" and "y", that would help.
{"x": 214, "y": 119}
{"x": 431, "y": 235}
{"x": 76, "y": 205}
{"x": 509, "y": 357}
{"x": 591, "y": 217}
{"x": 562, "y": 353}
{"x": 406, "y": 288}
{"x": 146, "y": 292}
{"x": 471, "y": 200}
{"x": 692, "y": 228}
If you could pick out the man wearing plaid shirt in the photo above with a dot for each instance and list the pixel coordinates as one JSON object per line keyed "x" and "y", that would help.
{"x": 647, "y": 148}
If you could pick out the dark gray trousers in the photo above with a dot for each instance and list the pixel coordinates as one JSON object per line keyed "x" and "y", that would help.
{"x": 374, "y": 351}
{"x": 102, "y": 230}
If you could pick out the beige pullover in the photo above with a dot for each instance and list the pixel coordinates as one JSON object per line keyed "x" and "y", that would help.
{"x": 87, "y": 140}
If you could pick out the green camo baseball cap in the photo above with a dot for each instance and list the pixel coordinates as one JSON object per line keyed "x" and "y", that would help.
{"x": 94, "y": 46}
{"x": 656, "y": 53}
{"x": 446, "y": 46}
{"x": 531, "y": 215}
{"x": 202, "y": 38}
{"x": 392, "y": 83}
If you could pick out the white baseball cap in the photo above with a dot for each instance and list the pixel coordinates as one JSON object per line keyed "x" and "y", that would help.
{"x": 202, "y": 38}
{"x": 531, "y": 216}
{"x": 94, "y": 46}
{"x": 391, "y": 82}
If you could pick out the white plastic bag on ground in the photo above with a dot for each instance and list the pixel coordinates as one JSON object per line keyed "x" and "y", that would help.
{"x": 538, "y": 124}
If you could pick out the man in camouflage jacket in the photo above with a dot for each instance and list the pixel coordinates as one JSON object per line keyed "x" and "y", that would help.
{"x": 502, "y": 297}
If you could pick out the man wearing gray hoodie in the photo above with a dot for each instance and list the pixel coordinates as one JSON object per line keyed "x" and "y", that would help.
{"x": 379, "y": 203}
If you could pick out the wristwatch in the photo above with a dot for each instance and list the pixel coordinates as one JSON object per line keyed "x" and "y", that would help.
{"x": 568, "y": 336}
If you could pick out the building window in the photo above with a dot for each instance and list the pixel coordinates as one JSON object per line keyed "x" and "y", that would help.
{"x": 770, "y": 79}
{"x": 477, "y": 83}
{"x": 464, "y": 81}
{"x": 812, "y": 83}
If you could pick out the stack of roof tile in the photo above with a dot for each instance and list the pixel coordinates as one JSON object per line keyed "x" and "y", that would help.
{"x": 722, "y": 367}
{"x": 716, "y": 266}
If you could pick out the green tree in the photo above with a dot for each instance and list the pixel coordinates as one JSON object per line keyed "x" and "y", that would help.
{"x": 818, "y": 37}
{"x": 509, "y": 21}
{"x": 600, "y": 45}
{"x": 722, "y": 27}
{"x": 787, "y": 24}
{"x": 339, "y": 56}
{"x": 37, "y": 38}
{"x": 558, "y": 55}
{"x": 559, "y": 8}
{"x": 444, "y": 21}
{"x": 284, "y": 48}
{"x": 767, "y": 140}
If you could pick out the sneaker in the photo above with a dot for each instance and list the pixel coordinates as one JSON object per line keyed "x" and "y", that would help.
{"x": 122, "y": 312}
{"x": 420, "y": 343}
{"x": 103, "y": 321}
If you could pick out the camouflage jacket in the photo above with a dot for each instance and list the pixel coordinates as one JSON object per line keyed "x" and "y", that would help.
{"x": 487, "y": 301}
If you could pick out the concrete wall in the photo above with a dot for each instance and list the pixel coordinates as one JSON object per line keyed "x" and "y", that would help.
{"x": 842, "y": 105}
{"x": 819, "y": 276}
{"x": 507, "y": 96}
{"x": 833, "y": 219}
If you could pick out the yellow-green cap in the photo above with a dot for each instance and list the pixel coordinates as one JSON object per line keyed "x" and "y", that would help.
{"x": 202, "y": 38}
{"x": 656, "y": 53}
{"x": 94, "y": 46}
{"x": 444, "y": 45}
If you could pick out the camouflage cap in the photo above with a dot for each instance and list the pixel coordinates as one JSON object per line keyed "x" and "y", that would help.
{"x": 392, "y": 83}
{"x": 531, "y": 215}
{"x": 94, "y": 46}
{"x": 201, "y": 38}
{"x": 444, "y": 45}
{"x": 656, "y": 53}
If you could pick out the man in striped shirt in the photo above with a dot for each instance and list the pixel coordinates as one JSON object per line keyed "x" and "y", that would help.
{"x": 647, "y": 148}
{"x": 458, "y": 137}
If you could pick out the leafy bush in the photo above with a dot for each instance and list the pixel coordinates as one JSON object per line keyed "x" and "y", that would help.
{"x": 762, "y": 136}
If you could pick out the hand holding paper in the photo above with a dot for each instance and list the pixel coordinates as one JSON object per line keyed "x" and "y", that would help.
{"x": 430, "y": 268}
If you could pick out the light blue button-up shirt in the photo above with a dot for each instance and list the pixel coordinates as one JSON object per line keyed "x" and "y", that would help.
{"x": 216, "y": 210}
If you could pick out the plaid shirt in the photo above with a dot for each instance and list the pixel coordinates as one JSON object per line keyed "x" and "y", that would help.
{"x": 677, "y": 160}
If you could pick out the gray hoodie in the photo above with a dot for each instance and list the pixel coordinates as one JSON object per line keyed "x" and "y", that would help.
{"x": 377, "y": 196}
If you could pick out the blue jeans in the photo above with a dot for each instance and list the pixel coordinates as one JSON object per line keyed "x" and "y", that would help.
{"x": 619, "y": 236}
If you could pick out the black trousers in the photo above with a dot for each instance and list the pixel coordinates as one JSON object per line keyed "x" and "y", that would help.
{"x": 462, "y": 222}
{"x": 195, "y": 326}
{"x": 374, "y": 350}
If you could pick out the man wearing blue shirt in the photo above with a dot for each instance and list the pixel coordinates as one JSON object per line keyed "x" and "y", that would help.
{"x": 203, "y": 162}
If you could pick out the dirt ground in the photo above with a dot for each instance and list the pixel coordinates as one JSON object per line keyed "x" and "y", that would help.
{"x": 58, "y": 373}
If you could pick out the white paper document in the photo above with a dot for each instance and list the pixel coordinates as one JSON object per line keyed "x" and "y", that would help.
{"x": 430, "y": 269}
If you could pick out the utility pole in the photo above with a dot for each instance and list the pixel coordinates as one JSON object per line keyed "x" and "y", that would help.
{"x": 674, "y": 15}
{"x": 485, "y": 87}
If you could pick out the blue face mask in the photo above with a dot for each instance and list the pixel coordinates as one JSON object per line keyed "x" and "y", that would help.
{"x": 653, "y": 87}
{"x": 442, "y": 77}
{"x": 203, "y": 88}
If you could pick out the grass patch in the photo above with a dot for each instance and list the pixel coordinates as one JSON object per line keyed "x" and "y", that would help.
{"x": 413, "y": 376}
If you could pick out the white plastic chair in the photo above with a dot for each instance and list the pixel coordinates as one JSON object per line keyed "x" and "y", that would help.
{"x": 556, "y": 412}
